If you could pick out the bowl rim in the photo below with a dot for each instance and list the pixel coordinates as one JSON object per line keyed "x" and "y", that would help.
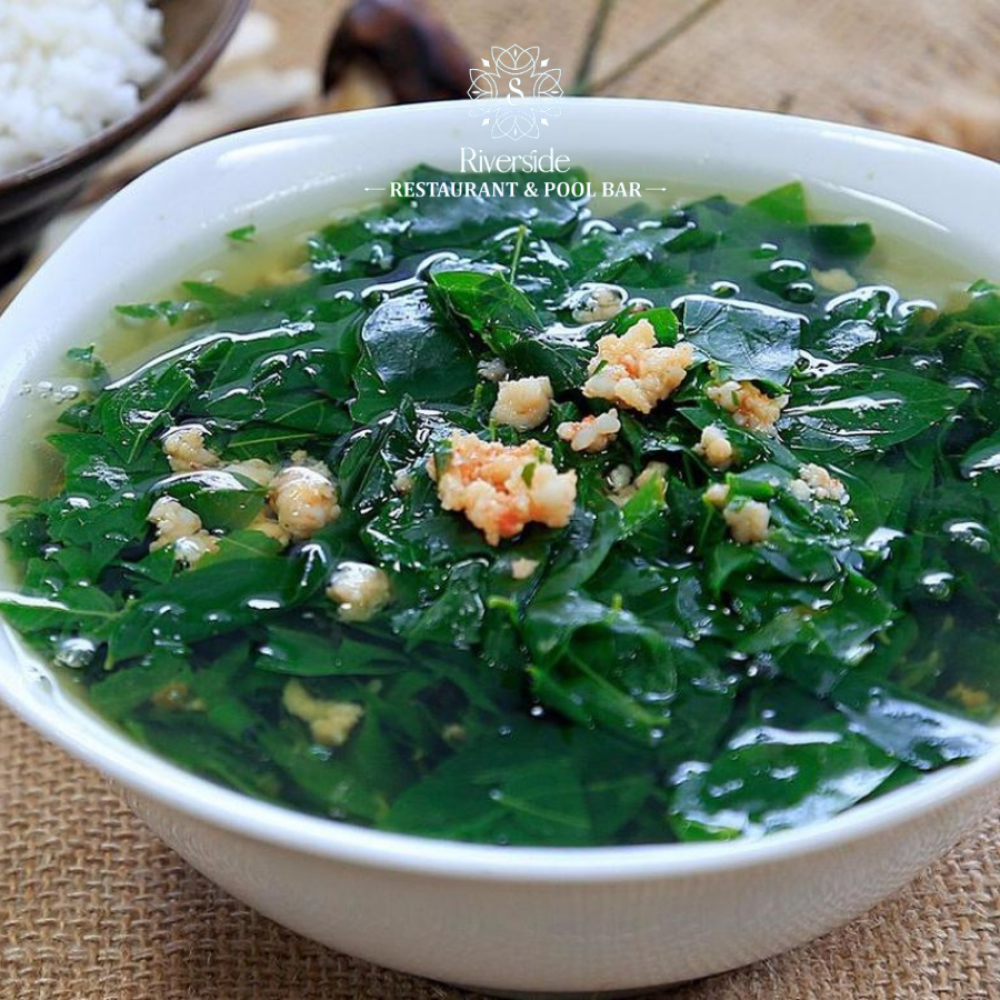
{"x": 168, "y": 90}
{"x": 156, "y": 781}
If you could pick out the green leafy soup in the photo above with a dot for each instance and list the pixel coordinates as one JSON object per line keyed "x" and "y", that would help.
{"x": 505, "y": 521}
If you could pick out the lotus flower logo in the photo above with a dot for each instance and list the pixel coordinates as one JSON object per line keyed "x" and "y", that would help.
{"x": 514, "y": 92}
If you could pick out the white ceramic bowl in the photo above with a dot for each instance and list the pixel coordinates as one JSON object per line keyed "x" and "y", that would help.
{"x": 503, "y": 919}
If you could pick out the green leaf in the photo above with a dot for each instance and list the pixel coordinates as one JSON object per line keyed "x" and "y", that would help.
{"x": 219, "y": 598}
{"x": 374, "y": 457}
{"x": 560, "y": 353}
{"x": 646, "y": 257}
{"x": 432, "y": 222}
{"x": 644, "y": 505}
{"x": 132, "y": 410}
{"x": 121, "y": 693}
{"x": 85, "y": 359}
{"x": 242, "y": 234}
{"x": 983, "y": 456}
{"x": 245, "y": 544}
{"x": 770, "y": 779}
{"x": 601, "y": 667}
{"x": 583, "y": 546}
{"x": 455, "y": 618}
{"x": 521, "y": 788}
{"x": 866, "y": 409}
{"x": 216, "y": 301}
{"x": 313, "y": 654}
{"x": 842, "y": 241}
{"x": 785, "y": 204}
{"x": 85, "y": 609}
{"x": 745, "y": 340}
{"x": 167, "y": 311}
{"x": 909, "y": 729}
{"x": 490, "y": 306}
{"x": 663, "y": 321}
{"x": 266, "y": 441}
{"x": 411, "y": 355}
{"x": 221, "y": 499}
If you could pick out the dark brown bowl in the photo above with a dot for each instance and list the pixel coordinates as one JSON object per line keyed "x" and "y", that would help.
{"x": 194, "y": 34}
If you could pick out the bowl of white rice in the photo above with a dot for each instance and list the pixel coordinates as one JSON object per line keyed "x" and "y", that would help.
{"x": 80, "y": 80}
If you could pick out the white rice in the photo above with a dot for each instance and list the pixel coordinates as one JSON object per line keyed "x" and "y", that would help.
{"x": 69, "y": 68}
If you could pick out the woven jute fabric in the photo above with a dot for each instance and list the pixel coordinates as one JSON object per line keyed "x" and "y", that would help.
{"x": 922, "y": 67}
{"x": 93, "y": 907}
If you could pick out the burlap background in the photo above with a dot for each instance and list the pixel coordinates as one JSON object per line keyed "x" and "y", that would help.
{"x": 92, "y": 907}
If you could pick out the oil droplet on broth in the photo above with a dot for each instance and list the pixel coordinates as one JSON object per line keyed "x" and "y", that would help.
{"x": 971, "y": 533}
{"x": 986, "y": 461}
{"x": 263, "y": 604}
{"x": 937, "y": 584}
{"x": 75, "y": 653}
